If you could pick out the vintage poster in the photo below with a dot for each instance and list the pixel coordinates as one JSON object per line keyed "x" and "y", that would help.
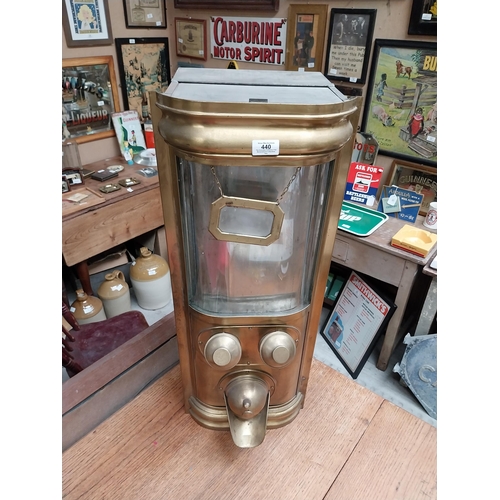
{"x": 253, "y": 40}
{"x": 354, "y": 323}
{"x": 87, "y": 19}
{"x": 362, "y": 183}
{"x": 401, "y": 102}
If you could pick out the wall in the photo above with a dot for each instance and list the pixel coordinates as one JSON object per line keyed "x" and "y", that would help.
{"x": 392, "y": 22}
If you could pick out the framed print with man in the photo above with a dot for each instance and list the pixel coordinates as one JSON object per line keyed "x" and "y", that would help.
{"x": 349, "y": 44}
{"x": 305, "y": 37}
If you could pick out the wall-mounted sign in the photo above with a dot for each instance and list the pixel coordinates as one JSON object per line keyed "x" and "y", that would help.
{"x": 253, "y": 40}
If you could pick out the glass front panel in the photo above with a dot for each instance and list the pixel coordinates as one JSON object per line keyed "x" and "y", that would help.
{"x": 229, "y": 278}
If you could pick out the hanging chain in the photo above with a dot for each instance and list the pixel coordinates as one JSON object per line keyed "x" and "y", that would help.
{"x": 212, "y": 168}
{"x": 280, "y": 197}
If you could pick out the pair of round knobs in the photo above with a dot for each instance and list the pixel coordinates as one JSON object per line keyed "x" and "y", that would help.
{"x": 224, "y": 350}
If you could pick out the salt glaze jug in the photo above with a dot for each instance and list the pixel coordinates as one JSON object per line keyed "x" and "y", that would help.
{"x": 87, "y": 309}
{"x": 150, "y": 277}
{"x": 114, "y": 293}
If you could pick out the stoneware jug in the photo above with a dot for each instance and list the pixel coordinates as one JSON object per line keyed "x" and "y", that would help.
{"x": 114, "y": 293}
{"x": 87, "y": 309}
{"x": 150, "y": 277}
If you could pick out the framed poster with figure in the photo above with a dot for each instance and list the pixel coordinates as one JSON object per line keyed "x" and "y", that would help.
{"x": 349, "y": 44}
{"x": 401, "y": 100}
{"x": 305, "y": 38}
{"x": 144, "y": 66}
{"x": 86, "y": 23}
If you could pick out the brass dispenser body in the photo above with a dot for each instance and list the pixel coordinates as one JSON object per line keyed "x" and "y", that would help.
{"x": 252, "y": 168}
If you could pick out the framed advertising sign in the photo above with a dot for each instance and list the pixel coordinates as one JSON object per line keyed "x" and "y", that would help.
{"x": 401, "y": 100}
{"x": 358, "y": 318}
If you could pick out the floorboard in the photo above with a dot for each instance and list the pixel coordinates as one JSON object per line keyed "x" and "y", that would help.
{"x": 151, "y": 449}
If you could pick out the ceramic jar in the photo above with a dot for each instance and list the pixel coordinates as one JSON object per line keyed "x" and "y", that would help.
{"x": 114, "y": 293}
{"x": 150, "y": 277}
{"x": 87, "y": 309}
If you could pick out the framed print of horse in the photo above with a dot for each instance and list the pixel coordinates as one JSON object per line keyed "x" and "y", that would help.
{"x": 401, "y": 101}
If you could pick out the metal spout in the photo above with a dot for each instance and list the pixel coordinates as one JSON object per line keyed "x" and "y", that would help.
{"x": 247, "y": 404}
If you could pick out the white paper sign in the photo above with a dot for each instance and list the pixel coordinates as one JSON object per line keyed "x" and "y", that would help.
{"x": 265, "y": 148}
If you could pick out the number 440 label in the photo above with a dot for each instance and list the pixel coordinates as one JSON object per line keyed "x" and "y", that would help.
{"x": 265, "y": 148}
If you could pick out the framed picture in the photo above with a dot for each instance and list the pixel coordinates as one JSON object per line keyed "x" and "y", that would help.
{"x": 400, "y": 108}
{"x": 358, "y": 318}
{"x": 228, "y": 4}
{"x": 418, "y": 178}
{"x": 86, "y": 23}
{"x": 349, "y": 43}
{"x": 423, "y": 18}
{"x": 65, "y": 185}
{"x": 144, "y": 66}
{"x": 191, "y": 38}
{"x": 89, "y": 98}
{"x": 145, "y": 13}
{"x": 305, "y": 37}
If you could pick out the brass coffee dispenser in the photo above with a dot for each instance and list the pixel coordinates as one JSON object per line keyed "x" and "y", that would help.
{"x": 252, "y": 168}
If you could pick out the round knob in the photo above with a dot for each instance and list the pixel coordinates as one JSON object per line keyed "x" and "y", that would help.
{"x": 223, "y": 350}
{"x": 246, "y": 396}
{"x": 277, "y": 348}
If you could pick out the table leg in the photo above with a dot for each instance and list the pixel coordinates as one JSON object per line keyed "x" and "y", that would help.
{"x": 429, "y": 310}
{"x": 82, "y": 271}
{"x": 402, "y": 296}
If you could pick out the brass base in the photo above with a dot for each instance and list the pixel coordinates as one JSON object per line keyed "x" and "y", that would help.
{"x": 215, "y": 417}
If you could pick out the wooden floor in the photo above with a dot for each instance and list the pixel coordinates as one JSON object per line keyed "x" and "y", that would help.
{"x": 347, "y": 443}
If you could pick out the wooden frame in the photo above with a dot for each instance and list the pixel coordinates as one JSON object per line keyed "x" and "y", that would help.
{"x": 302, "y": 18}
{"x": 87, "y": 108}
{"x": 423, "y": 18}
{"x": 145, "y": 13}
{"x": 191, "y": 38}
{"x": 416, "y": 177}
{"x": 144, "y": 66}
{"x": 362, "y": 313}
{"x": 400, "y": 108}
{"x": 228, "y": 4}
{"x": 86, "y": 24}
{"x": 351, "y": 32}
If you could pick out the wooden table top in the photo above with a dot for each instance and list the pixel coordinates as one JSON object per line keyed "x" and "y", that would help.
{"x": 382, "y": 236}
{"x": 346, "y": 443}
{"x": 146, "y": 183}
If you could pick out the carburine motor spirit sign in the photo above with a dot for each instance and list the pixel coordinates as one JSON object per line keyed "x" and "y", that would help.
{"x": 253, "y": 40}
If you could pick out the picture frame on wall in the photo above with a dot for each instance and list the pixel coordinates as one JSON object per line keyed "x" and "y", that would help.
{"x": 86, "y": 24}
{"x": 191, "y": 38}
{"x": 349, "y": 44}
{"x": 145, "y": 13}
{"x": 400, "y": 108}
{"x": 143, "y": 66}
{"x": 423, "y": 18}
{"x": 89, "y": 98}
{"x": 359, "y": 316}
{"x": 228, "y": 4}
{"x": 305, "y": 40}
{"x": 419, "y": 178}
